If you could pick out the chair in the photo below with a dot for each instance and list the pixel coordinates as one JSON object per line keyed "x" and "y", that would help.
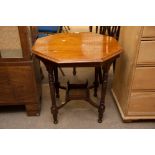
{"x": 112, "y": 31}
{"x": 44, "y": 31}
{"x": 66, "y": 29}
{"x": 50, "y": 29}
{"x": 98, "y": 29}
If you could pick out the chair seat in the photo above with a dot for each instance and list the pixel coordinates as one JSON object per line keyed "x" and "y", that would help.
{"x": 50, "y": 29}
{"x": 40, "y": 35}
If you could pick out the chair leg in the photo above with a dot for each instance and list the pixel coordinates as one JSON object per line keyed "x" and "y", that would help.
{"x": 90, "y": 28}
{"x": 66, "y": 29}
{"x": 56, "y": 79}
{"x": 96, "y": 83}
{"x": 96, "y": 29}
{"x": 74, "y": 71}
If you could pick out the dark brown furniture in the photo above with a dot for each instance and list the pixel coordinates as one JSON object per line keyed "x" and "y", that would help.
{"x": 77, "y": 50}
{"x": 20, "y": 80}
{"x": 112, "y": 31}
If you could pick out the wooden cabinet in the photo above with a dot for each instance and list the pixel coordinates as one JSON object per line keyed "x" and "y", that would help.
{"x": 20, "y": 80}
{"x": 133, "y": 86}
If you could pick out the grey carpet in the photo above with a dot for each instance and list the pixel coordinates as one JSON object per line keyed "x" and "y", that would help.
{"x": 76, "y": 114}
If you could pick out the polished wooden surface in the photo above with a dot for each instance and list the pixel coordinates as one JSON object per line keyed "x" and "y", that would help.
{"x": 76, "y": 47}
{"x": 142, "y": 103}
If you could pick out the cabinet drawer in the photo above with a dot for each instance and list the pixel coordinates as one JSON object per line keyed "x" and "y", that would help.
{"x": 149, "y": 31}
{"x": 144, "y": 78}
{"x": 146, "y": 52}
{"x": 142, "y": 103}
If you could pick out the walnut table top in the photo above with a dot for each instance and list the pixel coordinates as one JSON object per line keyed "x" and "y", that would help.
{"x": 76, "y": 47}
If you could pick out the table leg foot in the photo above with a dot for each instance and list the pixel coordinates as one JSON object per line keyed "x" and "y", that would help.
{"x": 55, "y": 122}
{"x": 54, "y": 111}
{"x": 99, "y": 120}
{"x": 101, "y": 110}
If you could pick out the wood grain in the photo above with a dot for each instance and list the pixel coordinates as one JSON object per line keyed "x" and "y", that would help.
{"x": 5, "y": 90}
{"x": 25, "y": 43}
{"x": 142, "y": 103}
{"x": 146, "y": 53}
{"x": 144, "y": 78}
{"x": 134, "y": 80}
{"x": 149, "y": 31}
{"x": 126, "y": 117}
{"x": 20, "y": 82}
{"x": 74, "y": 49}
{"x": 77, "y": 47}
{"x": 15, "y": 83}
{"x": 124, "y": 65}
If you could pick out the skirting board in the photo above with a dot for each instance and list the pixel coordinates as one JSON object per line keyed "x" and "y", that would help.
{"x": 128, "y": 118}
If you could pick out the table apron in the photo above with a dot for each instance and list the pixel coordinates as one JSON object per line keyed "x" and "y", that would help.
{"x": 80, "y": 64}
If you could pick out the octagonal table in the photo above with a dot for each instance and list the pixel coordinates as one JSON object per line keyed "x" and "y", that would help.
{"x": 77, "y": 50}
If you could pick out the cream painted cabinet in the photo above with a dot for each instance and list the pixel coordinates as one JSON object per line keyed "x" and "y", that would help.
{"x": 133, "y": 86}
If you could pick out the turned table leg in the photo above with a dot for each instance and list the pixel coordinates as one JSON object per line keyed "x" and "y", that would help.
{"x": 96, "y": 82}
{"x": 54, "y": 109}
{"x": 101, "y": 107}
{"x": 50, "y": 68}
{"x": 100, "y": 75}
{"x": 57, "y": 84}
